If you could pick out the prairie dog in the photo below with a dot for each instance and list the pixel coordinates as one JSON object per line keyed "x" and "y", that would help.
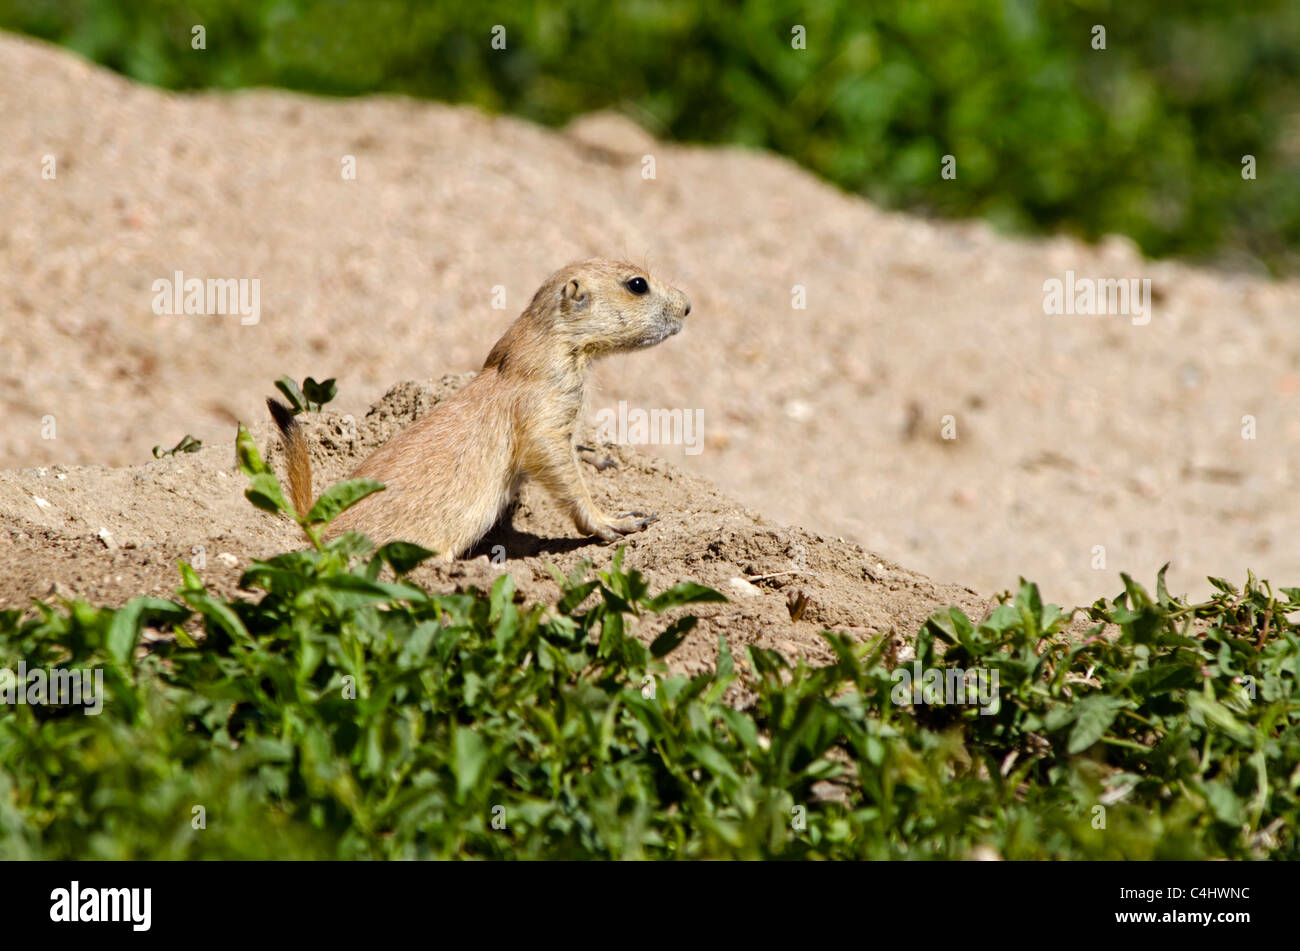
{"x": 451, "y": 473}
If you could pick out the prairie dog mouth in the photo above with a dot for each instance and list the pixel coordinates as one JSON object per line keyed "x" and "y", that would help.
{"x": 658, "y": 334}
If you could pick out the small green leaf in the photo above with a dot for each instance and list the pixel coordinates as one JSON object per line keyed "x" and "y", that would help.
{"x": 1004, "y": 618}
{"x": 1060, "y": 716}
{"x": 297, "y": 402}
{"x": 403, "y": 556}
{"x": 469, "y": 756}
{"x": 124, "y": 629}
{"x": 672, "y": 636}
{"x": 1094, "y": 717}
{"x": 1225, "y": 805}
{"x": 1163, "y": 678}
{"x": 318, "y": 394}
{"x": 217, "y": 612}
{"x": 744, "y": 730}
{"x": 574, "y": 596}
{"x": 187, "y": 444}
{"x": 611, "y": 633}
{"x": 687, "y": 592}
{"x": 266, "y": 494}
{"x": 714, "y": 761}
{"x": 951, "y": 625}
{"x": 190, "y": 580}
{"x": 1205, "y": 709}
{"x": 249, "y": 459}
{"x": 377, "y": 590}
{"x": 340, "y": 497}
{"x": 1162, "y": 593}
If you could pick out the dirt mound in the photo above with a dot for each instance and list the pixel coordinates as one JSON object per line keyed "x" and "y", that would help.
{"x": 111, "y": 534}
{"x": 1083, "y": 446}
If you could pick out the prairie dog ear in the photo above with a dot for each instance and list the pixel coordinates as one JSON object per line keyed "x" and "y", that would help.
{"x": 573, "y": 292}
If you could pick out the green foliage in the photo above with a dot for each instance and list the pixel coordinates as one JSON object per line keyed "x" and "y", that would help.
{"x": 310, "y": 397}
{"x": 265, "y": 492}
{"x": 187, "y": 444}
{"x": 337, "y": 715}
{"x": 1144, "y": 138}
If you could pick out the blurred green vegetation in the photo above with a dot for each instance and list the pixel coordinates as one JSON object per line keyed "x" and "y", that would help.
{"x": 1145, "y": 138}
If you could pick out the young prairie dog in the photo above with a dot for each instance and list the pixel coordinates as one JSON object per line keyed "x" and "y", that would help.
{"x": 451, "y": 474}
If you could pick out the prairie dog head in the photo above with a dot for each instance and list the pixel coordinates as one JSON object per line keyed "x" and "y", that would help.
{"x": 587, "y": 310}
{"x": 604, "y": 306}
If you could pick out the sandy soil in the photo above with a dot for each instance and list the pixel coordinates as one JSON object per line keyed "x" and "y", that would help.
{"x": 111, "y": 534}
{"x": 1071, "y": 432}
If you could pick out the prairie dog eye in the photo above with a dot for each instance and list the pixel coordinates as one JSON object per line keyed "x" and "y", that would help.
{"x": 638, "y": 285}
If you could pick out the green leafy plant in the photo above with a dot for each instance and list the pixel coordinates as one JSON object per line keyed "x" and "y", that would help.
{"x": 188, "y": 444}
{"x": 265, "y": 492}
{"x": 310, "y": 397}
{"x": 1146, "y": 137}
{"x": 336, "y": 714}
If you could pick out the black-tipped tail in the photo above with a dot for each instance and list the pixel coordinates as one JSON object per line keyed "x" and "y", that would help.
{"x": 295, "y": 451}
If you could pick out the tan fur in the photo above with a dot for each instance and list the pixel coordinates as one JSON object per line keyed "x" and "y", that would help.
{"x": 452, "y": 473}
{"x": 295, "y": 451}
